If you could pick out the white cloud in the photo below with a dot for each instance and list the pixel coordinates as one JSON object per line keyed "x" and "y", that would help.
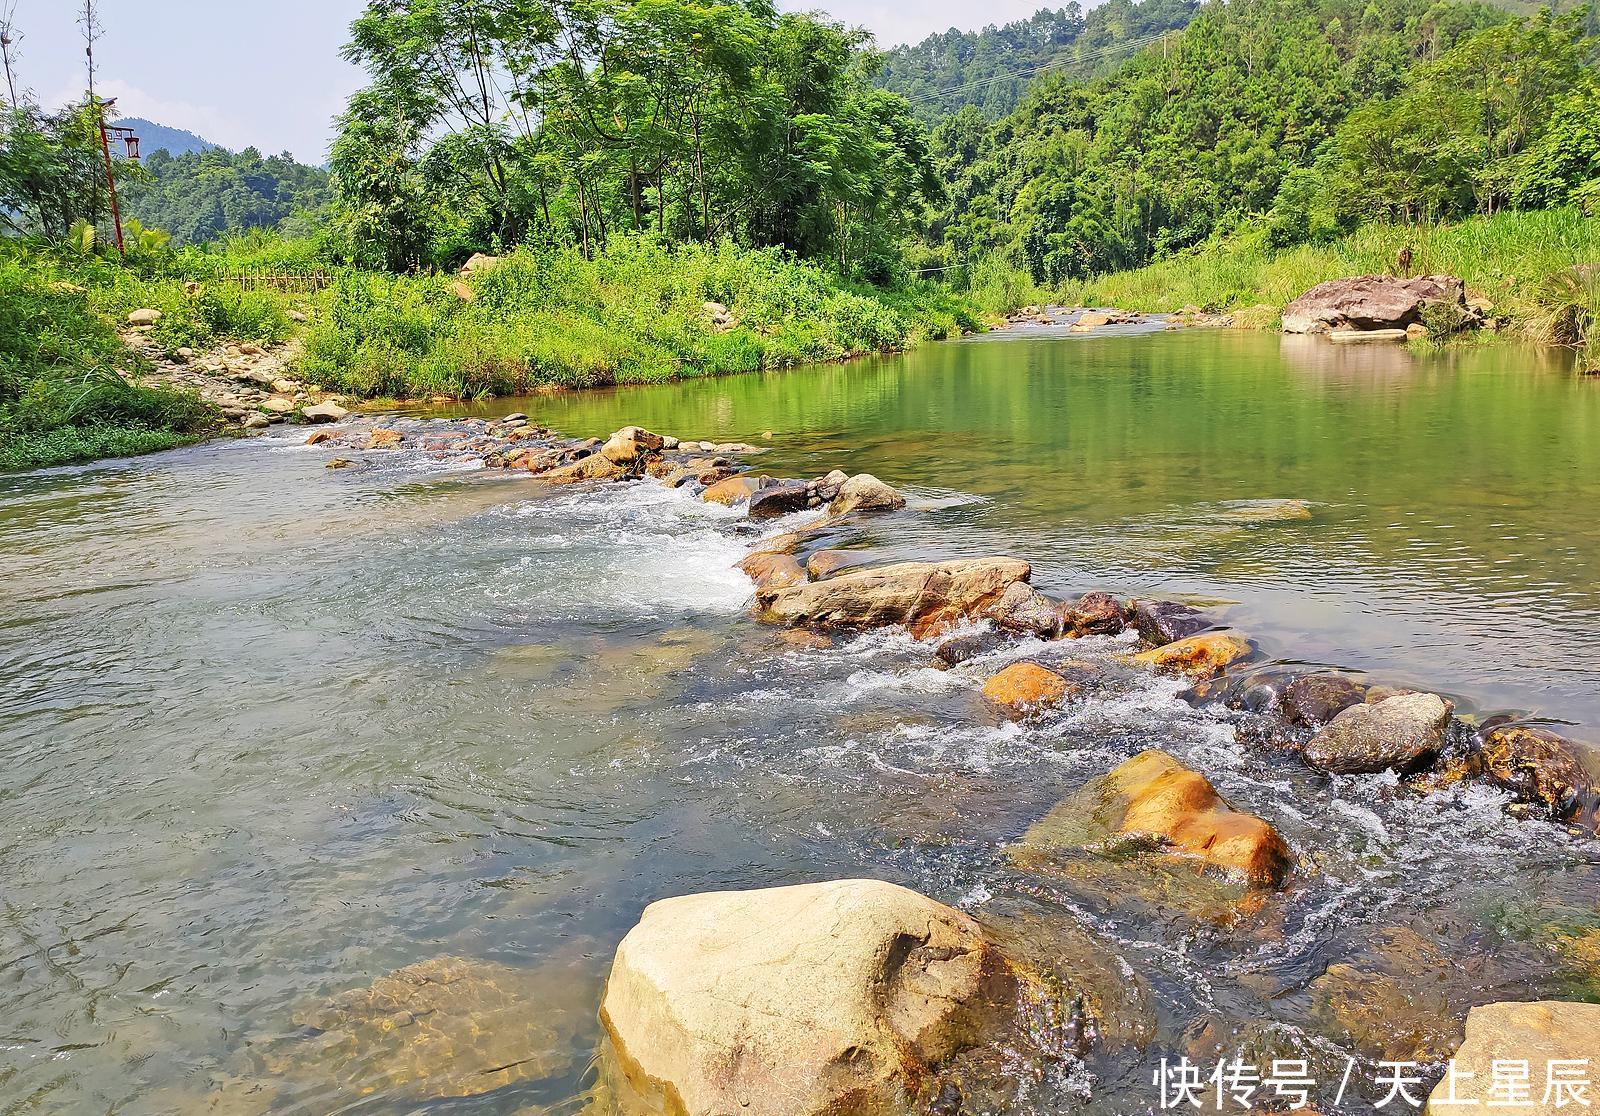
{"x": 206, "y": 121}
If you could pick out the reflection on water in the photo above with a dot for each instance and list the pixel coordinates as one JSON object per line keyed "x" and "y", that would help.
{"x": 272, "y": 733}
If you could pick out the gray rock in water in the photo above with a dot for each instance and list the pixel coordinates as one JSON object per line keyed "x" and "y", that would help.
{"x": 1163, "y": 622}
{"x": 865, "y": 492}
{"x": 1397, "y": 733}
{"x": 255, "y": 420}
{"x": 1313, "y": 700}
{"x": 1022, "y": 608}
{"x": 778, "y": 499}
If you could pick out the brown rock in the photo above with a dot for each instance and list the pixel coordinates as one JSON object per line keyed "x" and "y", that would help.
{"x": 734, "y": 490}
{"x": 927, "y": 597}
{"x": 627, "y": 445}
{"x": 1154, "y": 795}
{"x": 1163, "y": 622}
{"x": 826, "y": 563}
{"x": 1024, "y": 688}
{"x": 591, "y": 468}
{"x": 1312, "y": 700}
{"x": 1199, "y": 656}
{"x": 773, "y": 500}
{"x": 318, "y": 436}
{"x": 1022, "y": 608}
{"x": 1096, "y": 614}
{"x": 1544, "y": 769}
{"x": 865, "y": 492}
{"x": 384, "y": 438}
{"x": 772, "y": 570}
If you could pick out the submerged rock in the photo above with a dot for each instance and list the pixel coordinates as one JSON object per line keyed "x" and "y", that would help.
{"x": 1541, "y": 1036}
{"x": 384, "y": 438}
{"x": 1153, "y": 795}
{"x": 1391, "y": 998}
{"x": 1312, "y": 700}
{"x": 1545, "y": 770}
{"x": 1198, "y": 656}
{"x": 1399, "y": 733}
{"x": 865, "y": 492}
{"x": 1024, "y": 688}
{"x": 772, "y": 570}
{"x": 836, "y": 998}
{"x": 926, "y": 597}
{"x": 733, "y": 490}
{"x": 968, "y": 646}
{"x": 1163, "y": 622}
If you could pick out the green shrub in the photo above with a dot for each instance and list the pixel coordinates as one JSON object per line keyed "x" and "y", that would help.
{"x": 634, "y": 314}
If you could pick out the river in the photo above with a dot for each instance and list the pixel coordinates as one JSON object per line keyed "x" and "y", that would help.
{"x": 272, "y": 731}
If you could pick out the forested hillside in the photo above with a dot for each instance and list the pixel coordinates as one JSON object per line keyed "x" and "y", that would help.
{"x": 1310, "y": 113}
{"x": 159, "y": 137}
{"x": 203, "y": 195}
{"x": 990, "y": 69}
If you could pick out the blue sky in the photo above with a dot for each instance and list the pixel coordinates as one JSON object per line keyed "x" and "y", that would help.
{"x": 268, "y": 74}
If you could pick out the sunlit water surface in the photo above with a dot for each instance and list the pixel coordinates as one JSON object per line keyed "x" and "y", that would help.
{"x": 270, "y": 732}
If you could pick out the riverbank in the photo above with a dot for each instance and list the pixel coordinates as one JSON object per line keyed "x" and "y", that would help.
{"x": 530, "y": 321}
{"x": 1521, "y": 262}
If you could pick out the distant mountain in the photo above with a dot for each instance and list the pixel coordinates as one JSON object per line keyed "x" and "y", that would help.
{"x": 158, "y": 137}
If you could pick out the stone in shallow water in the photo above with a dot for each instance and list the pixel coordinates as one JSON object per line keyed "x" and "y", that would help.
{"x": 927, "y": 597}
{"x": 1199, "y": 656}
{"x": 835, "y": 998}
{"x": 1163, "y": 622}
{"x": 1398, "y": 733}
{"x": 448, "y": 1027}
{"x": 1535, "y": 1034}
{"x": 1392, "y": 999}
{"x": 1153, "y": 795}
{"x": 1022, "y": 689}
{"x": 865, "y": 492}
{"x": 1543, "y": 769}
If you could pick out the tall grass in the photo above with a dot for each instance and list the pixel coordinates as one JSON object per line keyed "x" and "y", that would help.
{"x": 64, "y": 395}
{"x": 634, "y": 314}
{"x": 1522, "y": 261}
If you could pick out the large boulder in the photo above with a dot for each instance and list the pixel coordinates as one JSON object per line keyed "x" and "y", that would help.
{"x": 1371, "y": 302}
{"x": 837, "y": 998}
{"x": 1550, "y": 1038}
{"x": 865, "y": 492}
{"x": 595, "y": 467}
{"x": 1398, "y": 733}
{"x": 927, "y": 597}
{"x": 1096, "y": 614}
{"x": 1153, "y": 795}
{"x": 1543, "y": 769}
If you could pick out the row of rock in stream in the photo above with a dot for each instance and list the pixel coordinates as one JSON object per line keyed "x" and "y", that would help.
{"x": 861, "y": 997}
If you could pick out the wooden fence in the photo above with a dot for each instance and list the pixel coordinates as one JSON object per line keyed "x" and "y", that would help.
{"x": 251, "y": 280}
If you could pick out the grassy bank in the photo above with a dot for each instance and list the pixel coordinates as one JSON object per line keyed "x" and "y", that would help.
{"x": 636, "y": 314}
{"x": 64, "y": 395}
{"x": 1522, "y": 261}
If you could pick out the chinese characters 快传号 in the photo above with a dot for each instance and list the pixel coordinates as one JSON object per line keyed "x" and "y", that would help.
{"x": 1396, "y": 1086}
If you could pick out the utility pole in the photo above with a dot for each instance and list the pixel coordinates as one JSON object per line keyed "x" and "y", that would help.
{"x": 91, "y": 31}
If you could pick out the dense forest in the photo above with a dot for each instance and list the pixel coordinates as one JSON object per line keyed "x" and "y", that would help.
{"x": 1310, "y": 115}
{"x": 990, "y": 69}
{"x": 200, "y": 196}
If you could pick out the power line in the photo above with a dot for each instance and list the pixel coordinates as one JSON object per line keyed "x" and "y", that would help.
{"x": 1029, "y": 71}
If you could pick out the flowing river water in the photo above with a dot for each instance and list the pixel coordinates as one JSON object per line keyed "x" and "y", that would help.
{"x": 270, "y": 732}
